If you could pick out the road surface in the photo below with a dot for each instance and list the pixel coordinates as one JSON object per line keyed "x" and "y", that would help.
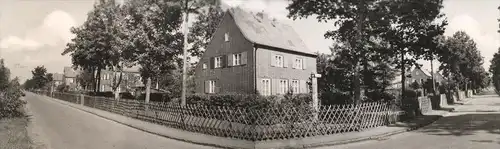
{"x": 475, "y": 125}
{"x": 63, "y": 127}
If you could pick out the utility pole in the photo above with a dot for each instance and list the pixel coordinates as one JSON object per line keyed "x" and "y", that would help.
{"x": 432, "y": 75}
{"x": 184, "y": 65}
{"x": 359, "y": 31}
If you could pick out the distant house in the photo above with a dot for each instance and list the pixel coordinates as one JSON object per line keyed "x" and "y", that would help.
{"x": 131, "y": 79}
{"x": 58, "y": 79}
{"x": 417, "y": 75}
{"x": 69, "y": 77}
{"x": 251, "y": 52}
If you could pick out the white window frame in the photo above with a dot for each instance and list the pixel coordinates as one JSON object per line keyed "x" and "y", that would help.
{"x": 237, "y": 59}
{"x": 211, "y": 86}
{"x": 218, "y": 62}
{"x": 204, "y": 66}
{"x": 266, "y": 87}
{"x": 295, "y": 86}
{"x": 279, "y": 60}
{"x": 299, "y": 63}
{"x": 226, "y": 37}
{"x": 283, "y": 86}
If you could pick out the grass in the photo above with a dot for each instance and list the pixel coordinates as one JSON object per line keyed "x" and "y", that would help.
{"x": 13, "y": 133}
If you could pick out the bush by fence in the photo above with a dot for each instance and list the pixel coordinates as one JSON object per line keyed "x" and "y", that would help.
{"x": 259, "y": 121}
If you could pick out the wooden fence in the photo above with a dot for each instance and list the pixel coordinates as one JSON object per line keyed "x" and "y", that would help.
{"x": 247, "y": 123}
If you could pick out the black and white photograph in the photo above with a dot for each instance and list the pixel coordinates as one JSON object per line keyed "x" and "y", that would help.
{"x": 250, "y": 74}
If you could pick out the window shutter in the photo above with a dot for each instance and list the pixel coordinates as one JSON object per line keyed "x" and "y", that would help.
{"x": 273, "y": 62}
{"x": 230, "y": 60}
{"x": 207, "y": 87}
{"x": 274, "y": 86}
{"x": 292, "y": 61}
{"x": 223, "y": 61}
{"x": 285, "y": 62}
{"x": 302, "y": 86}
{"x": 244, "y": 58}
{"x": 304, "y": 64}
{"x": 212, "y": 63}
{"x": 217, "y": 87}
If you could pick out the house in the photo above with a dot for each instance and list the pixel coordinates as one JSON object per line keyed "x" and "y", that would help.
{"x": 69, "y": 77}
{"x": 251, "y": 52}
{"x": 417, "y": 75}
{"x": 58, "y": 79}
{"x": 131, "y": 79}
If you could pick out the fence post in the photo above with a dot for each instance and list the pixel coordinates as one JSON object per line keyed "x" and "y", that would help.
{"x": 82, "y": 99}
{"x": 314, "y": 78}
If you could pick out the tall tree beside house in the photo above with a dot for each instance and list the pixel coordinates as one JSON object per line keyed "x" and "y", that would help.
{"x": 414, "y": 27}
{"x": 153, "y": 32}
{"x": 84, "y": 78}
{"x": 202, "y": 30}
{"x": 359, "y": 22}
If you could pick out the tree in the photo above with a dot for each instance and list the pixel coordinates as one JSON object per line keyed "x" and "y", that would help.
{"x": 415, "y": 25}
{"x": 40, "y": 77}
{"x": 152, "y": 29}
{"x": 4, "y": 75}
{"x": 84, "y": 78}
{"x": 360, "y": 26}
{"x": 204, "y": 27}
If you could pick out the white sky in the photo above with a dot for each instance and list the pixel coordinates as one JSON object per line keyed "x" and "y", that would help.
{"x": 35, "y": 32}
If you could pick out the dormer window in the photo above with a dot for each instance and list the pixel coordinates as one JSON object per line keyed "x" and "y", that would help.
{"x": 226, "y": 37}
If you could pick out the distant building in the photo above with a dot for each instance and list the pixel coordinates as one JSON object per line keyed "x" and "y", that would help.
{"x": 131, "y": 79}
{"x": 417, "y": 75}
{"x": 251, "y": 52}
{"x": 69, "y": 78}
{"x": 58, "y": 79}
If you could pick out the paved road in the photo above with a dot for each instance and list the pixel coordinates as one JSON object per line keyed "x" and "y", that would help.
{"x": 64, "y": 127}
{"x": 475, "y": 125}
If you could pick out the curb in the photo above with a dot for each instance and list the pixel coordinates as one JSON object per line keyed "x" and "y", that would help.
{"x": 375, "y": 137}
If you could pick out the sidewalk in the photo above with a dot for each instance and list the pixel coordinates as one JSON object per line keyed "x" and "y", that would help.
{"x": 308, "y": 142}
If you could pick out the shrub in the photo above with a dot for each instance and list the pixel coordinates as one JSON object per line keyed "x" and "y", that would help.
{"x": 156, "y": 97}
{"x": 10, "y": 103}
{"x": 249, "y": 100}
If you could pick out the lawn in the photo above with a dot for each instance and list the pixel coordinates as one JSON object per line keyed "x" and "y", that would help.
{"x": 13, "y": 133}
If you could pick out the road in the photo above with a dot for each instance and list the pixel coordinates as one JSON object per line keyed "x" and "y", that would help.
{"x": 474, "y": 125}
{"x": 63, "y": 127}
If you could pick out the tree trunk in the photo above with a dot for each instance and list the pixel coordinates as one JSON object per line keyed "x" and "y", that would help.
{"x": 403, "y": 76}
{"x": 93, "y": 83}
{"x": 432, "y": 75}
{"x": 98, "y": 79}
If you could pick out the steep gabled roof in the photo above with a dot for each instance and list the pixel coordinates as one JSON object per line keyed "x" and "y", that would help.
{"x": 261, "y": 30}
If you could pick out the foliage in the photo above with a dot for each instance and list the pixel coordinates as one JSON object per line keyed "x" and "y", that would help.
{"x": 462, "y": 62}
{"x": 40, "y": 79}
{"x": 360, "y": 26}
{"x": 10, "y": 94}
{"x": 204, "y": 27}
{"x": 85, "y": 79}
{"x": 249, "y": 100}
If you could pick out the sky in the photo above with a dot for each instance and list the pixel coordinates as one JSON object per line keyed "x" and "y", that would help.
{"x": 35, "y": 32}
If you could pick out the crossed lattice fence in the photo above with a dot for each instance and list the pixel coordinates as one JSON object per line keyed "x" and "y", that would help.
{"x": 247, "y": 123}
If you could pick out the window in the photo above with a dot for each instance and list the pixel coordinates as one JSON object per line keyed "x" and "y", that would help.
{"x": 211, "y": 86}
{"x": 204, "y": 66}
{"x": 278, "y": 61}
{"x": 236, "y": 59}
{"x": 218, "y": 62}
{"x": 295, "y": 86}
{"x": 226, "y": 37}
{"x": 266, "y": 87}
{"x": 283, "y": 88}
{"x": 298, "y": 63}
